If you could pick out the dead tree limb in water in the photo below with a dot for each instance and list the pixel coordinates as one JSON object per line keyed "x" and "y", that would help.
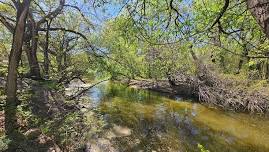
{"x": 80, "y": 92}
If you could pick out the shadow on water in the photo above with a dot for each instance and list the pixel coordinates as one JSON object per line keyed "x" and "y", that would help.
{"x": 162, "y": 124}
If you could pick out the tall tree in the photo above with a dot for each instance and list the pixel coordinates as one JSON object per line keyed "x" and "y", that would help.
{"x": 16, "y": 50}
{"x": 22, "y": 8}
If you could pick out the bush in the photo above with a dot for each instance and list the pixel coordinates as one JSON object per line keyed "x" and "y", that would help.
{"x": 4, "y": 141}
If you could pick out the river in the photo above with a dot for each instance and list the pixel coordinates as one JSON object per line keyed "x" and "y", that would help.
{"x": 150, "y": 121}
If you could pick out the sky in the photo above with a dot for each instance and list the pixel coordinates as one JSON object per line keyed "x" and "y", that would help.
{"x": 98, "y": 15}
{"x": 105, "y": 12}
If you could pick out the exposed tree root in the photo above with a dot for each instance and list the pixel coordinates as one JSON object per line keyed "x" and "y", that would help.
{"x": 211, "y": 89}
{"x": 207, "y": 87}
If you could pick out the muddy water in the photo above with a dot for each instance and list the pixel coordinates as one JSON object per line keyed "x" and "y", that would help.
{"x": 150, "y": 121}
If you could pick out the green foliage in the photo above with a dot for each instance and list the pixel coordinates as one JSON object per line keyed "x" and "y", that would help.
{"x": 202, "y": 148}
{"x": 149, "y": 41}
{"x": 4, "y": 141}
{"x": 3, "y": 70}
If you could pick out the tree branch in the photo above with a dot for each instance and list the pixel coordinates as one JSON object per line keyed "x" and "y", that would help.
{"x": 80, "y": 92}
{"x": 221, "y": 13}
{"x": 52, "y": 14}
{"x": 81, "y": 13}
{"x": 64, "y": 29}
{"x": 8, "y": 25}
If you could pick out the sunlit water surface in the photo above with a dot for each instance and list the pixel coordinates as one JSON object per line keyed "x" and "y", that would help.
{"x": 155, "y": 122}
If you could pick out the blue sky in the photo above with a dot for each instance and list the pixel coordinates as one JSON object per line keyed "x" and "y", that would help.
{"x": 98, "y": 15}
{"x": 110, "y": 10}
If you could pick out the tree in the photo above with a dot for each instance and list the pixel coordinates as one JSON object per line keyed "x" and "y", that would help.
{"x": 16, "y": 50}
{"x": 22, "y": 8}
{"x": 260, "y": 10}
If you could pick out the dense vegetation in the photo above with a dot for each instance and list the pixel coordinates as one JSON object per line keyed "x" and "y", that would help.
{"x": 216, "y": 46}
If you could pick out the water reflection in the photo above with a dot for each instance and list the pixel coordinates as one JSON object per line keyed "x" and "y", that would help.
{"x": 162, "y": 124}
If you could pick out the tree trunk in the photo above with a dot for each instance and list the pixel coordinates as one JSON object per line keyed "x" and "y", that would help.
{"x": 59, "y": 56}
{"x": 32, "y": 60}
{"x": 260, "y": 10}
{"x": 59, "y": 59}
{"x": 242, "y": 59}
{"x": 14, "y": 59}
{"x": 34, "y": 66}
{"x": 29, "y": 56}
{"x": 46, "y": 54}
{"x": 16, "y": 50}
{"x": 31, "y": 38}
{"x": 267, "y": 69}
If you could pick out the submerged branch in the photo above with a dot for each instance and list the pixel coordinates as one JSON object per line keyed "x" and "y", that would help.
{"x": 80, "y": 92}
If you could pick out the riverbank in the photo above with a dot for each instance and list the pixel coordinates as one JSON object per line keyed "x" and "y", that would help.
{"x": 46, "y": 120}
{"x": 160, "y": 86}
{"x": 244, "y": 101}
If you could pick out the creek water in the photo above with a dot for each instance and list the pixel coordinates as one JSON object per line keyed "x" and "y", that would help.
{"x": 155, "y": 122}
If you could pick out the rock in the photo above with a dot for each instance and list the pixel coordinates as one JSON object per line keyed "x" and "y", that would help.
{"x": 90, "y": 147}
{"x": 100, "y": 145}
{"x": 121, "y": 131}
{"x": 32, "y": 133}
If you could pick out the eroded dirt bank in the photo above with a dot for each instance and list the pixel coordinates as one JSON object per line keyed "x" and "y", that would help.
{"x": 219, "y": 94}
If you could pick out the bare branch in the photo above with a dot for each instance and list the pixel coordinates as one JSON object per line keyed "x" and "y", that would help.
{"x": 64, "y": 29}
{"x": 174, "y": 9}
{"x": 81, "y": 13}
{"x": 7, "y": 24}
{"x": 52, "y": 14}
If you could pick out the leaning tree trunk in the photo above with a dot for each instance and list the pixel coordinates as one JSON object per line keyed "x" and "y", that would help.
{"x": 16, "y": 50}
{"x": 260, "y": 10}
{"x": 14, "y": 59}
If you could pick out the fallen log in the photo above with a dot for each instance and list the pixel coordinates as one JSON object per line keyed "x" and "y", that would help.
{"x": 81, "y": 92}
